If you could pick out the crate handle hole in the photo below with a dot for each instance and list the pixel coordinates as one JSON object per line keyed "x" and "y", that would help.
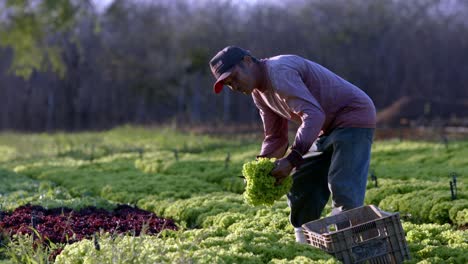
{"x": 338, "y": 226}
{"x": 332, "y": 228}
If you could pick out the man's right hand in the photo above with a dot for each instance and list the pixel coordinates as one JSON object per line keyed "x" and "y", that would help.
{"x": 282, "y": 170}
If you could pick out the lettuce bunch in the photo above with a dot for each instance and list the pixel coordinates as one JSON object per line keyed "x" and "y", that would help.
{"x": 261, "y": 188}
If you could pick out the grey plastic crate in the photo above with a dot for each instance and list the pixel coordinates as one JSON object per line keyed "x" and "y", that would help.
{"x": 361, "y": 235}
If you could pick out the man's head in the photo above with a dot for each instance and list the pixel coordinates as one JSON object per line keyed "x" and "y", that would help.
{"x": 236, "y": 68}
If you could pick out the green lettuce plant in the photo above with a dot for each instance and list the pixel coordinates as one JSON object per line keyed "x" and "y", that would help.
{"x": 261, "y": 188}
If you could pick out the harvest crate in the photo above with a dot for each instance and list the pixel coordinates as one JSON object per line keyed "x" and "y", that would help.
{"x": 361, "y": 235}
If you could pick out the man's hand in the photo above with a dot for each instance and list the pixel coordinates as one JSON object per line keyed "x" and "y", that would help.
{"x": 282, "y": 170}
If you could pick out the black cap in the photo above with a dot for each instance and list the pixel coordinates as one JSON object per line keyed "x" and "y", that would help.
{"x": 222, "y": 63}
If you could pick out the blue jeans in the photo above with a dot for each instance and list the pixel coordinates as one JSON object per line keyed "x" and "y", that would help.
{"x": 340, "y": 170}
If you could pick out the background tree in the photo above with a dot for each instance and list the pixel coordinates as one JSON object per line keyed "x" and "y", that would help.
{"x": 66, "y": 65}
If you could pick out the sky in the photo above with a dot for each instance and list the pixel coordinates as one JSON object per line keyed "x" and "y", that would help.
{"x": 447, "y": 5}
{"x": 101, "y": 5}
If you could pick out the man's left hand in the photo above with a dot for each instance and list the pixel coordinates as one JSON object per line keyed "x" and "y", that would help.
{"x": 282, "y": 170}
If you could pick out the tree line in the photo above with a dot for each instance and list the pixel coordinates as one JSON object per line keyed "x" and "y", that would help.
{"x": 66, "y": 65}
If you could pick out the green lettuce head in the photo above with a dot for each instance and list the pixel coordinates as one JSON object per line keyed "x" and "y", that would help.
{"x": 261, "y": 188}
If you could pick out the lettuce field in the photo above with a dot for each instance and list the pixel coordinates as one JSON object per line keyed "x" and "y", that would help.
{"x": 155, "y": 195}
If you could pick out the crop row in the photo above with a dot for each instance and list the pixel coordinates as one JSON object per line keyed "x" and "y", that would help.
{"x": 410, "y": 198}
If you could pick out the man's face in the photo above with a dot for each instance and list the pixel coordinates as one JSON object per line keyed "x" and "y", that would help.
{"x": 242, "y": 78}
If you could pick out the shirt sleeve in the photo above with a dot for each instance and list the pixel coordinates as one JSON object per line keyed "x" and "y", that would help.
{"x": 301, "y": 101}
{"x": 275, "y": 128}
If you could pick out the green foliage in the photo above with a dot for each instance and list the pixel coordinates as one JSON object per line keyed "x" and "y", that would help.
{"x": 389, "y": 187}
{"x": 24, "y": 249}
{"x": 210, "y": 171}
{"x": 7, "y": 153}
{"x": 25, "y": 29}
{"x": 116, "y": 179}
{"x": 105, "y": 165}
{"x": 416, "y": 205}
{"x": 210, "y": 245}
{"x": 220, "y": 209}
{"x": 203, "y": 194}
{"x": 461, "y": 217}
{"x": 436, "y": 243}
{"x": 17, "y": 190}
{"x": 151, "y": 166}
{"x": 410, "y": 160}
{"x": 261, "y": 188}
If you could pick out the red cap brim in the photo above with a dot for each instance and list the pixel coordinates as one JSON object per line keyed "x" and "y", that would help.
{"x": 218, "y": 86}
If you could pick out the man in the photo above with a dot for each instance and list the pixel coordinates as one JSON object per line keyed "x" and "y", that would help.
{"x": 290, "y": 88}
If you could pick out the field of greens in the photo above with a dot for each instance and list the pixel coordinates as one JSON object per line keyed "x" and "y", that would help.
{"x": 193, "y": 180}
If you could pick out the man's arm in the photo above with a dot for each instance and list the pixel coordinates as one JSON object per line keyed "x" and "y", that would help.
{"x": 275, "y": 127}
{"x": 301, "y": 102}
